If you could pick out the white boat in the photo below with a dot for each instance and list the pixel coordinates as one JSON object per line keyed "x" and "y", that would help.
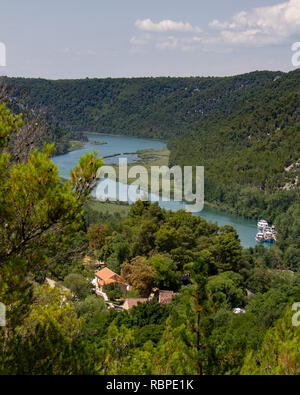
{"x": 262, "y": 223}
{"x": 269, "y": 237}
{"x": 260, "y": 238}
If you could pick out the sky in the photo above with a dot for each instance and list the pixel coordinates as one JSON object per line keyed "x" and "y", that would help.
{"x": 135, "y": 38}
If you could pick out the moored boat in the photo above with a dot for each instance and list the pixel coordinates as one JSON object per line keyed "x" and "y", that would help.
{"x": 269, "y": 237}
{"x": 262, "y": 223}
{"x": 266, "y": 232}
{"x": 260, "y": 237}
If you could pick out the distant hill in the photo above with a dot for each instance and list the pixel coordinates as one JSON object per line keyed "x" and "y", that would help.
{"x": 152, "y": 107}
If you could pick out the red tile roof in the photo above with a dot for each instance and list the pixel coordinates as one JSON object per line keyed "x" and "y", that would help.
{"x": 165, "y": 297}
{"x": 134, "y": 301}
{"x": 107, "y": 276}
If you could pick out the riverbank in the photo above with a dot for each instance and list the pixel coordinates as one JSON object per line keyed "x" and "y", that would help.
{"x": 148, "y": 158}
{"x": 121, "y": 135}
{"x": 98, "y": 142}
{"x": 226, "y": 209}
{"x": 153, "y": 157}
{"x": 149, "y": 154}
{"x": 75, "y": 145}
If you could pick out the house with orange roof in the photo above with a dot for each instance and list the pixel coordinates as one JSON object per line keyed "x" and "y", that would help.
{"x": 106, "y": 276}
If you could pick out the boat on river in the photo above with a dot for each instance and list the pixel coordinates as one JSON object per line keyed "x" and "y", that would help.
{"x": 262, "y": 223}
{"x": 266, "y": 233}
{"x": 260, "y": 237}
{"x": 268, "y": 237}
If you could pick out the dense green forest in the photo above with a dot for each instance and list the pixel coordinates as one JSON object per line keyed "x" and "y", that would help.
{"x": 48, "y": 227}
{"x": 37, "y": 128}
{"x": 251, "y": 155}
{"x": 152, "y": 107}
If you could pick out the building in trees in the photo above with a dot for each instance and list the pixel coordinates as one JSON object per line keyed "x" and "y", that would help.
{"x": 131, "y": 302}
{"x": 106, "y": 277}
{"x": 161, "y": 296}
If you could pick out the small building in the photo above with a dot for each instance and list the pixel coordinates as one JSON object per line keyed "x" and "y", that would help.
{"x": 131, "y": 302}
{"x": 106, "y": 276}
{"x": 161, "y": 296}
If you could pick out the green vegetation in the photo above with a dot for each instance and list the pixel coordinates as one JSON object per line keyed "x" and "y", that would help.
{"x": 79, "y": 285}
{"x": 37, "y": 216}
{"x": 48, "y": 227}
{"x": 105, "y": 212}
{"x": 149, "y": 107}
{"x": 74, "y": 145}
{"x": 159, "y": 248}
{"x": 37, "y": 130}
{"x": 279, "y": 354}
{"x": 113, "y": 292}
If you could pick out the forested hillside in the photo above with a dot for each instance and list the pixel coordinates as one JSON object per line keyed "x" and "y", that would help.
{"x": 251, "y": 156}
{"x": 37, "y": 127}
{"x": 152, "y": 107}
{"x": 253, "y": 142}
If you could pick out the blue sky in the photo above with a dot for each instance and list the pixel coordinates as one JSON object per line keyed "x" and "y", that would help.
{"x": 133, "y": 38}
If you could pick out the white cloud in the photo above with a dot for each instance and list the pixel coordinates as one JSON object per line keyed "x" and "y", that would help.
{"x": 142, "y": 40}
{"x": 165, "y": 26}
{"x": 180, "y": 39}
{"x": 218, "y": 25}
{"x": 261, "y": 26}
{"x": 170, "y": 42}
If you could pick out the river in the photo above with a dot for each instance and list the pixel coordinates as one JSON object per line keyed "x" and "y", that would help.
{"x": 125, "y": 146}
